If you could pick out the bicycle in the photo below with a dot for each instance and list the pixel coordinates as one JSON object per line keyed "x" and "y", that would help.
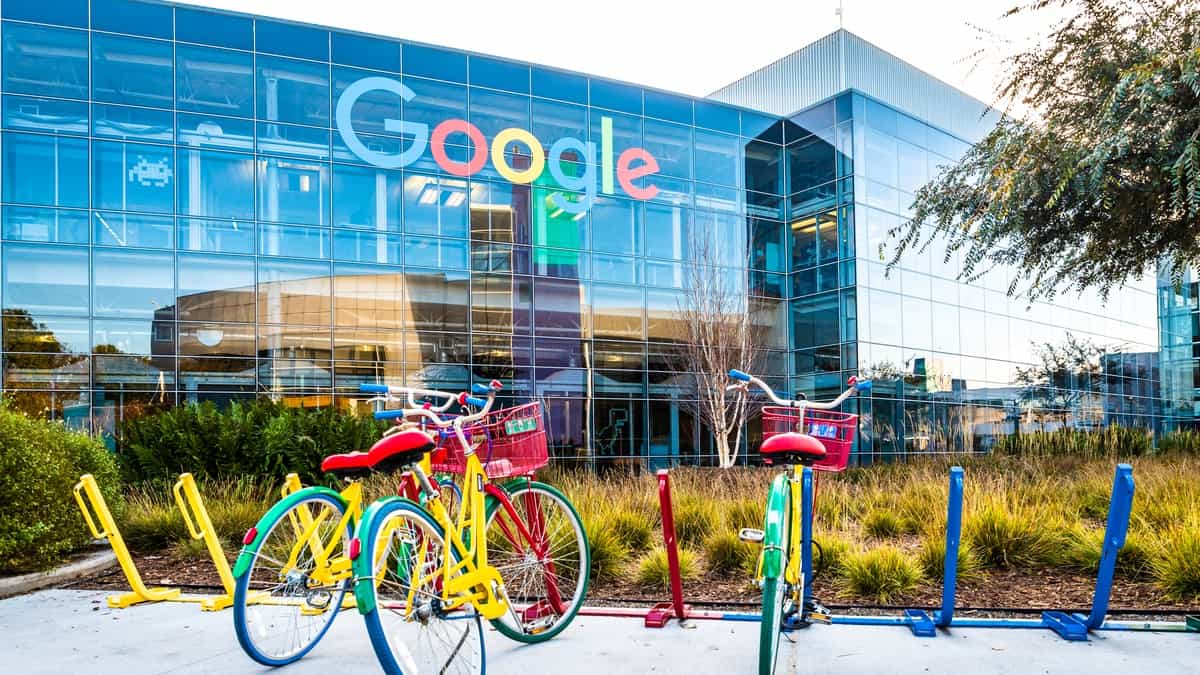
{"x": 423, "y": 581}
{"x": 783, "y": 568}
{"x": 294, "y": 569}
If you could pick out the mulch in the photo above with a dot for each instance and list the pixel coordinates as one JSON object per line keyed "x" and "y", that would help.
{"x": 999, "y": 590}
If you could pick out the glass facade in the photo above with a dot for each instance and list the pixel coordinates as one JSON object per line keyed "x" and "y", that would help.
{"x": 199, "y": 205}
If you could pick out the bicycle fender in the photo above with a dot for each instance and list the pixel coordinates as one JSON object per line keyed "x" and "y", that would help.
{"x": 273, "y": 514}
{"x": 775, "y": 536}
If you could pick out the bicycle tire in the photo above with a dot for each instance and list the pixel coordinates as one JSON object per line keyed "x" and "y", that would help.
{"x": 776, "y": 596}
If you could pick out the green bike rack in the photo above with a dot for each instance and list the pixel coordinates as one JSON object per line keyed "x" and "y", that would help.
{"x": 1193, "y": 623}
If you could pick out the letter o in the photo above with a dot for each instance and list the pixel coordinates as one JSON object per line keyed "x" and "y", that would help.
{"x": 479, "y": 149}
{"x": 536, "y": 163}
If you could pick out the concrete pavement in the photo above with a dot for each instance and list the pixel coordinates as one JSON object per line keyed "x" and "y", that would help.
{"x": 61, "y": 631}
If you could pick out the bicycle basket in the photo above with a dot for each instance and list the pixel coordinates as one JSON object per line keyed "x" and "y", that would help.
{"x": 835, "y": 430}
{"x": 509, "y": 442}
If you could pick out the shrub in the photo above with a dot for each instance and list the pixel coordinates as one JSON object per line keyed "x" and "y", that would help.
{"x": 153, "y": 522}
{"x": 932, "y": 559}
{"x": 881, "y": 523}
{"x": 832, "y": 551}
{"x": 40, "y": 463}
{"x": 881, "y": 574}
{"x": 1085, "y": 545}
{"x": 608, "y": 551}
{"x": 1010, "y": 535}
{"x": 634, "y": 528}
{"x": 1108, "y": 442}
{"x": 653, "y": 570}
{"x": 746, "y": 512}
{"x": 725, "y": 554}
{"x": 257, "y": 438}
{"x": 695, "y": 518}
{"x": 1176, "y": 561}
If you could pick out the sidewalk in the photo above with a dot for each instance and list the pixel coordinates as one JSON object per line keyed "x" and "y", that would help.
{"x": 73, "y": 631}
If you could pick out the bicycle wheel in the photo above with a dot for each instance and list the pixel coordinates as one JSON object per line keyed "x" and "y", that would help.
{"x": 411, "y": 628}
{"x": 776, "y": 596}
{"x": 542, "y": 554}
{"x": 284, "y": 600}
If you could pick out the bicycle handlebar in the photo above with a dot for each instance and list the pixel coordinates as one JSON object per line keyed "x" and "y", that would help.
{"x": 448, "y": 399}
{"x": 856, "y": 385}
{"x": 430, "y": 412}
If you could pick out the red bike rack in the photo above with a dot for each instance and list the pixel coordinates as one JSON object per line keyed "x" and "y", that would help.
{"x": 660, "y": 614}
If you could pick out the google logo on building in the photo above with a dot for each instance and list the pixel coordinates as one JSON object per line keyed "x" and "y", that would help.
{"x": 630, "y": 165}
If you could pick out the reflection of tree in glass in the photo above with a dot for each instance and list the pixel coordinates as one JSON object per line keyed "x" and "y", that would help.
{"x": 1063, "y": 379}
{"x": 31, "y": 346}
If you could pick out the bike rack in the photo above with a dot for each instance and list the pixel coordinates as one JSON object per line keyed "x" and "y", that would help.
{"x": 660, "y": 614}
{"x": 918, "y": 621}
{"x": 1192, "y": 623}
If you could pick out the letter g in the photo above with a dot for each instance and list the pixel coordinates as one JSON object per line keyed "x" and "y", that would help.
{"x": 345, "y": 104}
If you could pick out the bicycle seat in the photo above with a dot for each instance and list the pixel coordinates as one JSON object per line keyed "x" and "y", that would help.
{"x": 793, "y": 447}
{"x": 389, "y": 453}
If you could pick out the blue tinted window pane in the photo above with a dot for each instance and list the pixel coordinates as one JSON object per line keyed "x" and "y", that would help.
{"x": 133, "y": 177}
{"x": 435, "y": 206}
{"x": 717, "y": 116}
{"x": 563, "y": 86}
{"x": 881, "y": 117}
{"x": 62, "y": 12}
{"x": 284, "y": 139}
{"x": 211, "y": 28}
{"x": 118, "y": 121}
{"x": 128, "y": 229}
{"x": 493, "y": 112}
{"x": 132, "y": 70}
{"x": 497, "y": 74}
{"x": 762, "y": 127}
{"x": 52, "y": 225}
{"x": 372, "y": 247}
{"x": 26, "y": 113}
{"x": 626, "y": 131}
{"x": 812, "y": 163}
{"x": 133, "y": 283}
{"x": 218, "y": 236}
{"x": 293, "y": 191}
{"x": 45, "y": 61}
{"x": 210, "y": 131}
{"x": 291, "y": 40}
{"x": 294, "y": 291}
{"x": 293, "y": 91}
{"x": 816, "y": 118}
{"x": 128, "y": 337}
{"x": 667, "y": 231}
{"x": 553, "y": 120}
{"x": 717, "y": 158}
{"x": 617, "y": 226}
{"x": 134, "y": 18}
{"x": 365, "y": 52}
{"x": 372, "y": 108}
{"x": 216, "y": 81}
{"x": 367, "y": 198}
{"x": 436, "y": 252}
{"x": 293, "y": 241}
{"x": 671, "y": 145}
{"x": 47, "y": 170}
{"x": 616, "y": 96}
{"x": 764, "y": 167}
{"x": 668, "y": 107}
{"x": 46, "y": 278}
{"x": 216, "y": 184}
{"x": 215, "y": 287}
{"x": 435, "y": 102}
{"x": 439, "y": 64}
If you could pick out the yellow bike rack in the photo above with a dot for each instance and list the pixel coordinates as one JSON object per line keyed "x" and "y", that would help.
{"x": 87, "y": 486}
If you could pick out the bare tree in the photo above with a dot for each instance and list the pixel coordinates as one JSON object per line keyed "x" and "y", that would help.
{"x": 1063, "y": 378}
{"x": 716, "y": 332}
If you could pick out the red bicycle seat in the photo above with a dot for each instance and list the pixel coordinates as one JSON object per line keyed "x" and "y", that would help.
{"x": 793, "y": 446}
{"x": 389, "y": 453}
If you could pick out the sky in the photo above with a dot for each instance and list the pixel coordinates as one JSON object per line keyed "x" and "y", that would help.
{"x": 683, "y": 46}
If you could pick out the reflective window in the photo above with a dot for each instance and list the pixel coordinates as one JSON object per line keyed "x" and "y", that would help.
{"x": 293, "y": 241}
{"x": 47, "y": 170}
{"x": 557, "y": 307}
{"x": 134, "y": 18}
{"x": 125, "y": 122}
{"x": 209, "y": 131}
{"x": 560, "y": 85}
{"x": 216, "y": 339}
{"x": 668, "y": 106}
{"x": 128, "y": 229}
{"x": 885, "y": 313}
{"x": 434, "y": 102}
{"x": 617, "y": 226}
{"x": 436, "y": 252}
{"x": 369, "y": 295}
{"x": 716, "y": 116}
{"x": 27, "y": 113}
{"x": 131, "y": 70}
{"x": 671, "y": 145}
{"x": 44, "y": 61}
{"x": 440, "y": 64}
{"x": 667, "y": 231}
{"x": 438, "y": 301}
{"x": 125, "y": 336}
{"x": 435, "y": 205}
{"x": 45, "y": 279}
{"x": 297, "y": 141}
{"x": 616, "y": 96}
{"x": 293, "y": 191}
{"x": 617, "y": 312}
{"x": 293, "y": 292}
{"x": 130, "y": 283}
{"x": 767, "y": 250}
{"x": 764, "y": 167}
{"x": 217, "y": 236}
{"x": 277, "y": 37}
{"x": 64, "y": 12}
{"x": 372, "y": 247}
{"x": 717, "y": 158}
{"x": 46, "y": 225}
{"x": 497, "y": 74}
{"x": 367, "y": 198}
{"x": 216, "y": 184}
{"x": 553, "y": 120}
{"x": 811, "y": 162}
{"x": 626, "y": 131}
{"x": 493, "y": 111}
{"x": 295, "y": 92}
{"x": 918, "y": 324}
{"x": 215, "y": 81}
{"x": 365, "y": 51}
{"x": 133, "y": 177}
{"x": 215, "y": 288}
{"x": 212, "y": 28}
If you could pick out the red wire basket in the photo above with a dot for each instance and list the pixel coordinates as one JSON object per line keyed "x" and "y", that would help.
{"x": 835, "y": 430}
{"x": 509, "y": 442}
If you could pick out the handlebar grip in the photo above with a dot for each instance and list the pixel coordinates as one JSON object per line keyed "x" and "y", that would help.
{"x": 373, "y": 388}
{"x": 480, "y": 389}
{"x": 473, "y": 401}
{"x": 388, "y": 414}
{"x": 863, "y": 385}
{"x": 739, "y": 375}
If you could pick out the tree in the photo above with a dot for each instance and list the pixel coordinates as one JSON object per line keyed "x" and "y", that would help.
{"x": 716, "y": 334}
{"x": 1064, "y": 376}
{"x": 1102, "y": 181}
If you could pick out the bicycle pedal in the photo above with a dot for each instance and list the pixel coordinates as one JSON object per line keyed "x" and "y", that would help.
{"x": 819, "y": 617}
{"x": 751, "y": 535}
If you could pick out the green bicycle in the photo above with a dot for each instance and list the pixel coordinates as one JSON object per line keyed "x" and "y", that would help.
{"x": 800, "y": 435}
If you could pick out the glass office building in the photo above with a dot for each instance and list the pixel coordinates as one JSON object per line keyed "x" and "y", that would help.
{"x": 201, "y": 205}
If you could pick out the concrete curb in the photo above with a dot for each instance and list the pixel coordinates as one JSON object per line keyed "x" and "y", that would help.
{"x": 24, "y": 583}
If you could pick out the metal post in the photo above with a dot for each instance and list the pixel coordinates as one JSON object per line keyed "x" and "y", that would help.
{"x": 658, "y": 615}
{"x": 806, "y": 530}
{"x": 1119, "y": 510}
{"x": 199, "y": 526}
{"x": 943, "y": 617}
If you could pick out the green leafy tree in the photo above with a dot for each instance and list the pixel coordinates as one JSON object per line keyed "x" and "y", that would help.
{"x": 1101, "y": 179}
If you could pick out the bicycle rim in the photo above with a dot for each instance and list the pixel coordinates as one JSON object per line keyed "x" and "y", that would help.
{"x": 776, "y": 601}
{"x": 544, "y": 561}
{"x": 282, "y": 606}
{"x": 411, "y": 628}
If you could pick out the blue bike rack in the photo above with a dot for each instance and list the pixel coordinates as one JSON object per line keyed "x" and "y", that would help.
{"x": 917, "y": 620}
{"x": 806, "y": 516}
